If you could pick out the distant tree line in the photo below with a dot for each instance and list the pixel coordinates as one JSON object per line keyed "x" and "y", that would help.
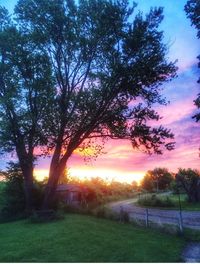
{"x": 185, "y": 180}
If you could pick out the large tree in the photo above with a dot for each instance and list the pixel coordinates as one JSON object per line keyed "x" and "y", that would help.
{"x": 25, "y": 90}
{"x": 157, "y": 179}
{"x": 108, "y": 69}
{"x": 192, "y": 9}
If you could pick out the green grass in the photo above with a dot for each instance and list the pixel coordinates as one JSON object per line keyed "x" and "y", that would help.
{"x": 184, "y": 203}
{"x": 192, "y": 235}
{"x": 80, "y": 238}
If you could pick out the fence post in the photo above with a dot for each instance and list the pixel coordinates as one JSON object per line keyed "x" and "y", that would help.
{"x": 121, "y": 214}
{"x": 180, "y": 222}
{"x": 147, "y": 217}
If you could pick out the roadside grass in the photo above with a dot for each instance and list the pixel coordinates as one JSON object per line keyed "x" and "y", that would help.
{"x": 81, "y": 238}
{"x": 175, "y": 199}
{"x": 192, "y": 235}
{"x": 184, "y": 203}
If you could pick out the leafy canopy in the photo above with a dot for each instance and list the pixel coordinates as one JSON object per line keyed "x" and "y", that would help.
{"x": 192, "y": 9}
{"x": 159, "y": 178}
{"x": 102, "y": 66}
{"x": 189, "y": 181}
{"x": 25, "y": 90}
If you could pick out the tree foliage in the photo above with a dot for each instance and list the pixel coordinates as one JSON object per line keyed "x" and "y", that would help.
{"x": 192, "y": 9}
{"x": 147, "y": 182}
{"x": 25, "y": 94}
{"x": 189, "y": 180}
{"x": 157, "y": 179}
{"x": 13, "y": 193}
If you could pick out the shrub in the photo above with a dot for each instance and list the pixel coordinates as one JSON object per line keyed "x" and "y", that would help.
{"x": 154, "y": 201}
{"x": 13, "y": 205}
{"x": 99, "y": 212}
{"x": 13, "y": 193}
{"x": 42, "y": 216}
{"x": 105, "y": 212}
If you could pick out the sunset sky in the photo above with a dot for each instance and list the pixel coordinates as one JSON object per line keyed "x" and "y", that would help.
{"x": 121, "y": 161}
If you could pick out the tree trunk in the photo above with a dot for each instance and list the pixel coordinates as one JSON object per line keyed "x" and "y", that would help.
{"x": 28, "y": 187}
{"x": 26, "y": 164}
{"x": 57, "y": 168}
{"x": 55, "y": 172}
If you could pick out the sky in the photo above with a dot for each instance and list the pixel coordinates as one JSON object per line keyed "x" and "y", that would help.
{"x": 120, "y": 162}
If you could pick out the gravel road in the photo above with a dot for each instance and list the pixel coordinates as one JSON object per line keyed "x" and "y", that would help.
{"x": 191, "y": 219}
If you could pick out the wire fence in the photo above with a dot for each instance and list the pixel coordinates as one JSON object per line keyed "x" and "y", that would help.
{"x": 174, "y": 220}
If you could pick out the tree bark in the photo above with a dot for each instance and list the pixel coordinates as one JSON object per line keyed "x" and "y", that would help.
{"x": 56, "y": 170}
{"x": 57, "y": 167}
{"x": 28, "y": 187}
{"x": 26, "y": 164}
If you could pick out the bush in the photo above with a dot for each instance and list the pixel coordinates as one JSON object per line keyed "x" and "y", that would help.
{"x": 154, "y": 201}
{"x": 13, "y": 193}
{"x": 43, "y": 216}
{"x": 105, "y": 212}
{"x": 99, "y": 212}
{"x": 14, "y": 204}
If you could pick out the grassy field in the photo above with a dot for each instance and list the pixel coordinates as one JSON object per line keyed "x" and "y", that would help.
{"x": 184, "y": 203}
{"x": 80, "y": 238}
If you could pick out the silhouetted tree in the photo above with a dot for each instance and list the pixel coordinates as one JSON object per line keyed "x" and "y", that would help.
{"x": 162, "y": 178}
{"x": 147, "y": 182}
{"x": 192, "y": 9}
{"x": 189, "y": 180}
{"x": 103, "y": 64}
{"x": 25, "y": 93}
{"x": 157, "y": 179}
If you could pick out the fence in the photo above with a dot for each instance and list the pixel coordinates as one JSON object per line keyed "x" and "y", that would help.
{"x": 149, "y": 217}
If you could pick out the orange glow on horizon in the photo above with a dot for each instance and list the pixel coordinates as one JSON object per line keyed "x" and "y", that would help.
{"x": 86, "y": 152}
{"x": 85, "y": 172}
{"x": 40, "y": 174}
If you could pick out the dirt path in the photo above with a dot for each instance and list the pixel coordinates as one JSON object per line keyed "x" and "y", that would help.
{"x": 191, "y": 219}
{"x": 191, "y": 253}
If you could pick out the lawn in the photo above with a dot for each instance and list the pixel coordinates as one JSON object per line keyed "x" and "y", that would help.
{"x": 79, "y": 238}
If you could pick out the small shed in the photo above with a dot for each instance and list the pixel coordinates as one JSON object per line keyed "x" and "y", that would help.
{"x": 72, "y": 194}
